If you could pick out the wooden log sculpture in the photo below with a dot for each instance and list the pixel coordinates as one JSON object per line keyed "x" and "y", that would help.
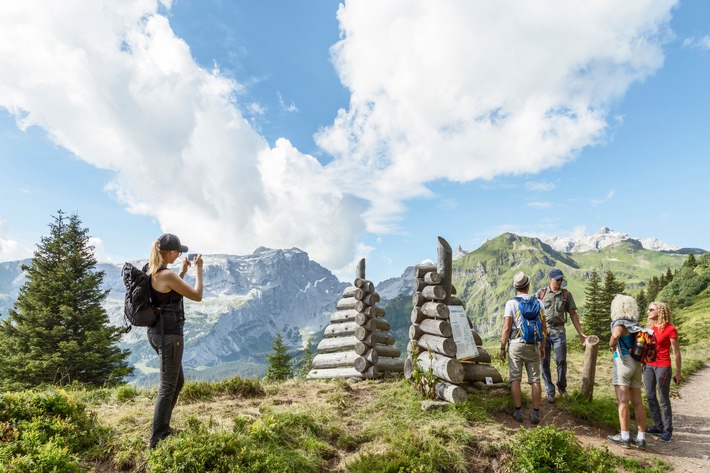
{"x": 357, "y": 343}
{"x": 431, "y": 333}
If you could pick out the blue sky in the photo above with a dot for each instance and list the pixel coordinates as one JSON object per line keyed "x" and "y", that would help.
{"x": 354, "y": 129}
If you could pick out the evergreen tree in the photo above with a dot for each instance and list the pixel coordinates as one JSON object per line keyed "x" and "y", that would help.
{"x": 307, "y": 361}
{"x": 58, "y": 332}
{"x": 596, "y": 319}
{"x": 612, "y": 287}
{"x": 654, "y": 287}
{"x": 641, "y": 300}
{"x": 279, "y": 368}
{"x": 691, "y": 262}
{"x": 669, "y": 277}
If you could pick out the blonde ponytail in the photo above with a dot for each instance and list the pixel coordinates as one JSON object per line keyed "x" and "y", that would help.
{"x": 156, "y": 259}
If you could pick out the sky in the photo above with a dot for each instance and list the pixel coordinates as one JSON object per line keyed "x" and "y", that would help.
{"x": 351, "y": 129}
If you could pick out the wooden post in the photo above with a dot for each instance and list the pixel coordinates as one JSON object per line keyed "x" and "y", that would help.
{"x": 360, "y": 269}
{"x": 443, "y": 267}
{"x": 589, "y": 367}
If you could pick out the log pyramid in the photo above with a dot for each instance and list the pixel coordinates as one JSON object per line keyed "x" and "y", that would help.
{"x": 358, "y": 342}
{"x": 432, "y": 336}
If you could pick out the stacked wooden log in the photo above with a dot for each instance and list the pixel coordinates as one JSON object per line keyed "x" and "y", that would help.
{"x": 432, "y": 338}
{"x": 358, "y": 342}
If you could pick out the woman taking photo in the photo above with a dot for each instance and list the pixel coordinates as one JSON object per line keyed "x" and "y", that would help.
{"x": 657, "y": 375}
{"x": 166, "y": 337}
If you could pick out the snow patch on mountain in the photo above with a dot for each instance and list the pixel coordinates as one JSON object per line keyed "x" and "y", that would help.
{"x": 601, "y": 239}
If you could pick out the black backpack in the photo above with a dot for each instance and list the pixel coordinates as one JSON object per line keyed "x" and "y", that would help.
{"x": 138, "y": 309}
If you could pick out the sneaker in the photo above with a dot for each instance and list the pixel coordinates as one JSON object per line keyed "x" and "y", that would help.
{"x": 564, "y": 395}
{"x": 640, "y": 444}
{"x": 666, "y": 436}
{"x": 535, "y": 417}
{"x": 619, "y": 441}
{"x": 654, "y": 430}
{"x": 518, "y": 415}
{"x": 551, "y": 398}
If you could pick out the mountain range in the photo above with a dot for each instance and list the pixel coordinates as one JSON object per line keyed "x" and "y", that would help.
{"x": 248, "y": 299}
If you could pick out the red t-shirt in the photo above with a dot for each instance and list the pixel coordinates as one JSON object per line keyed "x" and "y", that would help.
{"x": 663, "y": 345}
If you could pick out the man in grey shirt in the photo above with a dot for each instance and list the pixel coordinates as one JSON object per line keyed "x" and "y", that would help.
{"x": 557, "y": 303}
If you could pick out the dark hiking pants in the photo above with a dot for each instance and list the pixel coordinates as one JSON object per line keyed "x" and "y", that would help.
{"x": 171, "y": 382}
{"x": 657, "y": 382}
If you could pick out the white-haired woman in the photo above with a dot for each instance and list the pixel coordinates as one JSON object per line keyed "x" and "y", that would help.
{"x": 626, "y": 373}
{"x": 166, "y": 337}
{"x": 657, "y": 375}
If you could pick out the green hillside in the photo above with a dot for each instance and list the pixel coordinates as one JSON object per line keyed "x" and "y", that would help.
{"x": 483, "y": 278}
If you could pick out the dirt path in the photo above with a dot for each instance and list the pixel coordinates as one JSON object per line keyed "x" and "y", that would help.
{"x": 688, "y": 452}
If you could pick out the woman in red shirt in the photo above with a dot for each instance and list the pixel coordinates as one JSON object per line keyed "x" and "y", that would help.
{"x": 657, "y": 375}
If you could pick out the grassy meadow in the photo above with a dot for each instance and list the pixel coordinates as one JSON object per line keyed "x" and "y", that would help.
{"x": 248, "y": 425}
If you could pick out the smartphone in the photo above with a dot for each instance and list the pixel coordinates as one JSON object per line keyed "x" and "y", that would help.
{"x": 191, "y": 256}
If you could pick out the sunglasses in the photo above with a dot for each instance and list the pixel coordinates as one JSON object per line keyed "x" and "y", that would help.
{"x": 651, "y": 310}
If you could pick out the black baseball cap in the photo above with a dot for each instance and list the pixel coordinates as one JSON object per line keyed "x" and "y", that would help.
{"x": 170, "y": 242}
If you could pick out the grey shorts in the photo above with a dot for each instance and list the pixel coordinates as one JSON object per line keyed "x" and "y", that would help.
{"x": 626, "y": 372}
{"x": 524, "y": 355}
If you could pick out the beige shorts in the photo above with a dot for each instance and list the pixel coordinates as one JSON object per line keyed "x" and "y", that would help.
{"x": 626, "y": 372}
{"x": 527, "y": 355}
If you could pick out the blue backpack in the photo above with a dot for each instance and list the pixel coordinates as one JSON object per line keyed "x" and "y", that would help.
{"x": 528, "y": 318}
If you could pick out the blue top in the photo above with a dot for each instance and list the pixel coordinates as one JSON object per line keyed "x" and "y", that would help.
{"x": 625, "y": 342}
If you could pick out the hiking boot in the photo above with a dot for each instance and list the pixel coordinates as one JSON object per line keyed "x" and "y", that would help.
{"x": 518, "y": 415}
{"x": 666, "y": 436}
{"x": 640, "y": 444}
{"x": 535, "y": 417}
{"x": 654, "y": 430}
{"x": 551, "y": 398}
{"x": 619, "y": 441}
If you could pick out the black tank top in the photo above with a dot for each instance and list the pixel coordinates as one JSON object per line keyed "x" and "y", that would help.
{"x": 172, "y": 311}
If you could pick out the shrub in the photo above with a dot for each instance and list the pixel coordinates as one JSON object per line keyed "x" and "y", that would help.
{"x": 276, "y": 442}
{"x": 196, "y": 391}
{"x": 239, "y": 387}
{"x": 549, "y": 449}
{"x": 46, "y": 431}
{"x": 410, "y": 454}
{"x": 126, "y": 392}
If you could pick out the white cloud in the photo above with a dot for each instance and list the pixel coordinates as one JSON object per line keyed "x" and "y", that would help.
{"x": 347, "y": 271}
{"x": 539, "y": 205}
{"x": 290, "y": 107}
{"x": 699, "y": 43}
{"x": 11, "y": 250}
{"x": 100, "y": 250}
{"x": 451, "y": 89}
{"x": 607, "y": 198}
{"x": 112, "y": 83}
{"x": 466, "y": 90}
{"x": 539, "y": 186}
